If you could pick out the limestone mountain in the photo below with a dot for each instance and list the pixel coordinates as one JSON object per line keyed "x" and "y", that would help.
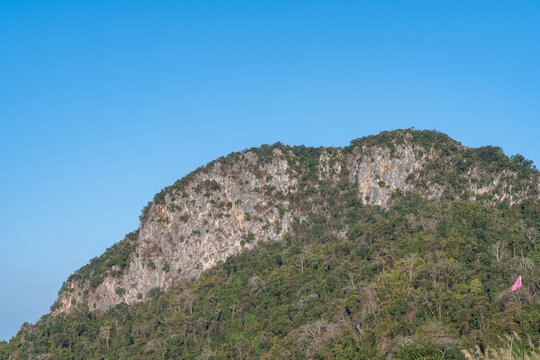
{"x": 255, "y": 195}
{"x": 401, "y": 245}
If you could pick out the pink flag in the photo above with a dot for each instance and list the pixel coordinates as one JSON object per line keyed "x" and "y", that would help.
{"x": 517, "y": 284}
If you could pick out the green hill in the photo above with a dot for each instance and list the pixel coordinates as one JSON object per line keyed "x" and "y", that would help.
{"x": 419, "y": 268}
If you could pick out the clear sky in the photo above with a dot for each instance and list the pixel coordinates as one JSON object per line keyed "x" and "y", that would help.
{"x": 103, "y": 103}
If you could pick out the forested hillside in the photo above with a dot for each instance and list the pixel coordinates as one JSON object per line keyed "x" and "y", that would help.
{"x": 418, "y": 264}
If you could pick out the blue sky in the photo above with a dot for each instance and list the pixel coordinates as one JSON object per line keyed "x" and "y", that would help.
{"x": 103, "y": 103}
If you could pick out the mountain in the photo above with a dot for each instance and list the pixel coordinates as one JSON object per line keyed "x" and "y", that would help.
{"x": 401, "y": 242}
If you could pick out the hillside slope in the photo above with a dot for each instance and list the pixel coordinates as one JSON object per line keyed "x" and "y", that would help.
{"x": 253, "y": 196}
{"x": 401, "y": 240}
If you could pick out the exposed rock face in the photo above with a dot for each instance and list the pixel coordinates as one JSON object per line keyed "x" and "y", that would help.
{"x": 245, "y": 199}
{"x": 193, "y": 231}
{"x": 379, "y": 174}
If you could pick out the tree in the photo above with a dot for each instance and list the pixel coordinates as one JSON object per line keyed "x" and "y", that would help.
{"x": 304, "y": 256}
{"x": 157, "y": 346}
{"x": 498, "y": 250}
{"x": 311, "y": 335}
{"x": 105, "y": 334}
{"x": 256, "y": 284}
{"x": 188, "y": 299}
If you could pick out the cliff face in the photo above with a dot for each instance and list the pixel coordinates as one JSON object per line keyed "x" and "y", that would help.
{"x": 236, "y": 202}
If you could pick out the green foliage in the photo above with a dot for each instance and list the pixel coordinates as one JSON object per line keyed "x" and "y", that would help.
{"x": 425, "y": 139}
{"x": 214, "y": 185}
{"x": 166, "y": 268}
{"x": 92, "y": 274}
{"x": 425, "y": 353}
{"x": 281, "y": 210}
{"x": 393, "y": 285}
{"x": 249, "y": 237}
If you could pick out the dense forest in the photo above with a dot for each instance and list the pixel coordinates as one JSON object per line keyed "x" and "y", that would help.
{"x": 419, "y": 279}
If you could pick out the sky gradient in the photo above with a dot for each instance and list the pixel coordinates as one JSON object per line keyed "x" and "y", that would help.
{"x": 103, "y": 103}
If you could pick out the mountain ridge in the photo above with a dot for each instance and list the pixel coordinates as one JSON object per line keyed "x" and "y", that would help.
{"x": 237, "y": 201}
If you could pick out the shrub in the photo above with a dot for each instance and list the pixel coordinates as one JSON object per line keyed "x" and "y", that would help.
{"x": 214, "y": 185}
{"x": 249, "y": 237}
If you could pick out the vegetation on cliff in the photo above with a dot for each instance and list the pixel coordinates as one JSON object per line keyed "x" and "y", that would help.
{"x": 419, "y": 277}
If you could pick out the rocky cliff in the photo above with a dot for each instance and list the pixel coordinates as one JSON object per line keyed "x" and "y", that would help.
{"x": 256, "y": 195}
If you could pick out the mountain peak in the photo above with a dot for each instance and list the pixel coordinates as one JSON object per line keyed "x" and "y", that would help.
{"x": 257, "y": 195}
